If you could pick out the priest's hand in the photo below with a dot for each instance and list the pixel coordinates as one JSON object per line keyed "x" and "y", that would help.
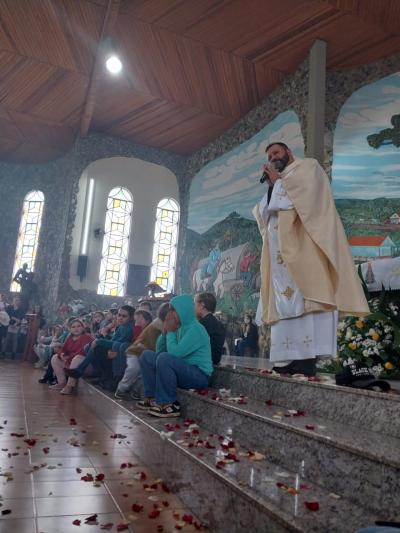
{"x": 273, "y": 174}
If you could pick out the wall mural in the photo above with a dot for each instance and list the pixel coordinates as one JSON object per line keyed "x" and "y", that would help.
{"x": 223, "y": 245}
{"x": 366, "y": 179}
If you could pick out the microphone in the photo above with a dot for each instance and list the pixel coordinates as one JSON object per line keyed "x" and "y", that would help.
{"x": 265, "y": 176}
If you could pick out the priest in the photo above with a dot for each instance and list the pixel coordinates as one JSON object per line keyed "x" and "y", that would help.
{"x": 308, "y": 277}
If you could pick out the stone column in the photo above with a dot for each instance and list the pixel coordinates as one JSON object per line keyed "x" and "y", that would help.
{"x": 316, "y": 101}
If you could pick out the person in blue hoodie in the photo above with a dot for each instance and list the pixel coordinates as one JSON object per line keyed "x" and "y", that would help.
{"x": 100, "y": 346}
{"x": 183, "y": 359}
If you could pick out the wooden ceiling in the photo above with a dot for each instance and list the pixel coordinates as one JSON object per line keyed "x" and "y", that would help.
{"x": 192, "y": 68}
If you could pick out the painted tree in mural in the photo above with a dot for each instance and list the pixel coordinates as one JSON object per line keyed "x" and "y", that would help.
{"x": 386, "y": 136}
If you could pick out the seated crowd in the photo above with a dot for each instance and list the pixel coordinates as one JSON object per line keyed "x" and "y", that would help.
{"x": 137, "y": 357}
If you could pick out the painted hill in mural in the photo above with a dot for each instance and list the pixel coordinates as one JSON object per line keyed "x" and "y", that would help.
{"x": 232, "y": 234}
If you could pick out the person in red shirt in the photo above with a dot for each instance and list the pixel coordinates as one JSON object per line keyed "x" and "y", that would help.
{"x": 71, "y": 355}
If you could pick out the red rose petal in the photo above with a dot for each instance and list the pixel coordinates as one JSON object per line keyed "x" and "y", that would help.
{"x": 268, "y": 402}
{"x": 154, "y": 514}
{"x": 100, "y": 477}
{"x": 72, "y": 422}
{"x": 136, "y": 508}
{"x": 188, "y": 518}
{"x": 220, "y": 465}
{"x": 91, "y": 520}
{"x": 6, "y": 511}
{"x": 46, "y": 450}
{"x": 311, "y": 506}
{"x": 78, "y": 470}
{"x": 76, "y": 522}
{"x": 122, "y": 527}
{"x": 160, "y": 528}
{"x": 311, "y": 428}
{"x": 165, "y": 503}
{"x": 165, "y": 488}
{"x": 30, "y": 442}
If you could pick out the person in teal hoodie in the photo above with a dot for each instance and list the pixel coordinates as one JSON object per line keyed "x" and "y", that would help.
{"x": 183, "y": 359}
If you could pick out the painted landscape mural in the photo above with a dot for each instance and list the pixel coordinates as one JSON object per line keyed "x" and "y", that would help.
{"x": 366, "y": 179}
{"x": 223, "y": 242}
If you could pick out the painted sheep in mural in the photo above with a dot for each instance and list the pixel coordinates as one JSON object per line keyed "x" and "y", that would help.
{"x": 232, "y": 268}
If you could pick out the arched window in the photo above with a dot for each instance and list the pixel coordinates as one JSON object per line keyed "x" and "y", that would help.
{"x": 117, "y": 229}
{"x": 28, "y": 235}
{"x": 165, "y": 243}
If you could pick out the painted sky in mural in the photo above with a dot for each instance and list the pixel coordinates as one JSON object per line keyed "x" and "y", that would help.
{"x": 231, "y": 182}
{"x": 360, "y": 171}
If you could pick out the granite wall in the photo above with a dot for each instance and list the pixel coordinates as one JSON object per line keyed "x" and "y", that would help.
{"x": 59, "y": 180}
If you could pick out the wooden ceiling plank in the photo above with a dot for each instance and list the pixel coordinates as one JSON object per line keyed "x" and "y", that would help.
{"x": 90, "y": 100}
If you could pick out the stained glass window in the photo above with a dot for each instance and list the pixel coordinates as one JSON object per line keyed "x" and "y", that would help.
{"x": 165, "y": 243}
{"x": 28, "y": 235}
{"x": 117, "y": 229}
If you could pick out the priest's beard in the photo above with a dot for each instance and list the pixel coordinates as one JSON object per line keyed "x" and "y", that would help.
{"x": 281, "y": 164}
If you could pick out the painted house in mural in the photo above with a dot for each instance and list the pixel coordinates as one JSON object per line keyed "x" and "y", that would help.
{"x": 395, "y": 218}
{"x": 365, "y": 247}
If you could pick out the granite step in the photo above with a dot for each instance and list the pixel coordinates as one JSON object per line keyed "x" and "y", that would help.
{"x": 357, "y": 463}
{"x": 232, "y": 492}
{"x": 377, "y": 411}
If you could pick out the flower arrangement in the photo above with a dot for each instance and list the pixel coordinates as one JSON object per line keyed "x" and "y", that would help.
{"x": 373, "y": 340}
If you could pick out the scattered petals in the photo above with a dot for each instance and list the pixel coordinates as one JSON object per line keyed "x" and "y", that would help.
{"x": 122, "y": 526}
{"x": 72, "y": 422}
{"x": 154, "y": 514}
{"x": 76, "y": 522}
{"x": 6, "y": 511}
{"x": 269, "y": 403}
{"x": 46, "y": 450}
{"x": 310, "y": 427}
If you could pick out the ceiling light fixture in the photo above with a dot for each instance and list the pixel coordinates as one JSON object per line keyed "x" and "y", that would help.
{"x": 114, "y": 64}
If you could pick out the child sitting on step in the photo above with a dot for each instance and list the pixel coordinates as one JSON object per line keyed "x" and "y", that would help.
{"x": 185, "y": 361}
{"x": 70, "y": 356}
{"x": 132, "y": 381}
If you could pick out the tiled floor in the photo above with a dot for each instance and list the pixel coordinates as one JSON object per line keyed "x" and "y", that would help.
{"x": 40, "y": 485}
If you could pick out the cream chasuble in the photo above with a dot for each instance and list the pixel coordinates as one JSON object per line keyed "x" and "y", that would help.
{"x": 295, "y": 335}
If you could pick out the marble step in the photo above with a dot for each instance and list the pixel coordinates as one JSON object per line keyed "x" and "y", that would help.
{"x": 377, "y": 411}
{"x": 245, "y": 494}
{"x": 357, "y": 463}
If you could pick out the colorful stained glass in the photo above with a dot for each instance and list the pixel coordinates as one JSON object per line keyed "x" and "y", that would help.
{"x": 165, "y": 243}
{"x": 117, "y": 229}
{"x": 28, "y": 235}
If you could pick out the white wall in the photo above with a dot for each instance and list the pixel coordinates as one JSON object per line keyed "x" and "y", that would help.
{"x": 148, "y": 183}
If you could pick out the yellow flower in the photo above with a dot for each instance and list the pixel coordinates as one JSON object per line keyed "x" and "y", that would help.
{"x": 375, "y": 337}
{"x": 360, "y": 324}
{"x": 352, "y": 345}
{"x": 389, "y": 366}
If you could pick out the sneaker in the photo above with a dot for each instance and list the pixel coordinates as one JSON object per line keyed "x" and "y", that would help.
{"x": 66, "y": 390}
{"x": 135, "y": 395}
{"x": 146, "y": 404}
{"x": 171, "y": 410}
{"x": 121, "y": 395}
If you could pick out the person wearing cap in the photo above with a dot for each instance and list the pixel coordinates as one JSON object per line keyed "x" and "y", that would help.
{"x": 183, "y": 359}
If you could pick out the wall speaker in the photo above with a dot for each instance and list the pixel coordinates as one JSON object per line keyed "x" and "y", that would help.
{"x": 82, "y": 266}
